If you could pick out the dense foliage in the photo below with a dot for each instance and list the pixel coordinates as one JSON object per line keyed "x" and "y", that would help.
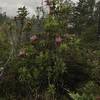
{"x": 53, "y": 56}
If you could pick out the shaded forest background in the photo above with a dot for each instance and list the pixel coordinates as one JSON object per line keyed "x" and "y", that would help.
{"x": 54, "y": 55}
